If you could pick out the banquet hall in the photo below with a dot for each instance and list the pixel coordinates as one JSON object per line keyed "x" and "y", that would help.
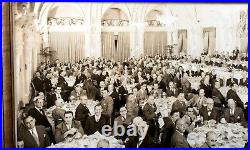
{"x": 130, "y": 75}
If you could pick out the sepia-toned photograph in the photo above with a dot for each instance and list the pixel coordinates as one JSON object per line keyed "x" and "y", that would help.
{"x": 126, "y": 75}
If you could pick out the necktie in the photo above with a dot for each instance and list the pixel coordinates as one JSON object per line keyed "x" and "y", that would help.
{"x": 35, "y": 137}
{"x": 41, "y": 110}
{"x": 58, "y": 96}
{"x": 123, "y": 118}
{"x": 231, "y": 112}
{"x": 69, "y": 127}
{"x": 209, "y": 112}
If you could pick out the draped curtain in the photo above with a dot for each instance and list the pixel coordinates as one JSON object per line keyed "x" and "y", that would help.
{"x": 155, "y": 43}
{"x": 115, "y": 46}
{"x": 209, "y": 39}
{"x": 182, "y": 41}
{"x": 69, "y": 46}
{"x": 206, "y": 41}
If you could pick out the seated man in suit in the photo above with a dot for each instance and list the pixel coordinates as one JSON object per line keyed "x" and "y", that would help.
{"x": 209, "y": 112}
{"x": 76, "y": 94}
{"x": 156, "y": 91}
{"x": 172, "y": 90}
{"x": 82, "y": 111}
{"x": 198, "y": 101}
{"x": 58, "y": 112}
{"x": 149, "y": 110}
{"x": 32, "y": 136}
{"x": 53, "y": 97}
{"x": 180, "y": 104}
{"x": 232, "y": 94}
{"x": 168, "y": 128}
{"x": 38, "y": 83}
{"x": 41, "y": 119}
{"x": 142, "y": 93}
{"x": 68, "y": 129}
{"x": 178, "y": 140}
{"x": 231, "y": 80}
{"x": 96, "y": 122}
{"x": 211, "y": 140}
{"x": 244, "y": 80}
{"x": 107, "y": 104}
{"x": 124, "y": 119}
{"x": 151, "y": 116}
{"x": 233, "y": 114}
{"x": 217, "y": 96}
{"x": 142, "y": 138}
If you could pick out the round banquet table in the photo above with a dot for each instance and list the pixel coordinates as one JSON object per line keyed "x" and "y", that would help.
{"x": 228, "y": 135}
{"x": 88, "y": 142}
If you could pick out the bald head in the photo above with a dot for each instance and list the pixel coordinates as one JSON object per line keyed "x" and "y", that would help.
{"x": 103, "y": 144}
{"x": 181, "y": 125}
{"x": 211, "y": 139}
{"x": 59, "y": 102}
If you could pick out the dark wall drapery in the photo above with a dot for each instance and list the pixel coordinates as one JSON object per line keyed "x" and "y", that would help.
{"x": 209, "y": 39}
{"x": 69, "y": 46}
{"x": 155, "y": 43}
{"x": 116, "y": 45}
{"x": 182, "y": 41}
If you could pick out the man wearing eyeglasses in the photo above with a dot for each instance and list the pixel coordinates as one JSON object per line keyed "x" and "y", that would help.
{"x": 31, "y": 136}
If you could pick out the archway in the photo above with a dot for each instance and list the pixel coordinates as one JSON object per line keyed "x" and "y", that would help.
{"x": 66, "y": 38}
{"x": 155, "y": 38}
{"x": 115, "y": 37}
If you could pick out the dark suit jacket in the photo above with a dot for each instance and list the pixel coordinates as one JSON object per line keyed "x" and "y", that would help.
{"x": 38, "y": 83}
{"x": 171, "y": 93}
{"x": 41, "y": 119}
{"x": 134, "y": 140}
{"x": 207, "y": 90}
{"x": 162, "y": 86}
{"x": 92, "y": 126}
{"x": 107, "y": 106}
{"x": 179, "y": 141}
{"x": 62, "y": 128}
{"x": 29, "y": 141}
{"x": 167, "y": 78}
{"x": 127, "y": 121}
{"x": 229, "y": 81}
{"x": 82, "y": 114}
{"x": 52, "y": 98}
{"x": 243, "y": 83}
{"x": 149, "y": 111}
{"x": 167, "y": 131}
{"x": 123, "y": 95}
{"x": 62, "y": 82}
{"x": 80, "y": 79}
{"x": 47, "y": 85}
{"x": 237, "y": 117}
{"x": 214, "y": 114}
{"x": 177, "y": 81}
{"x": 217, "y": 94}
{"x": 231, "y": 94}
{"x": 179, "y": 106}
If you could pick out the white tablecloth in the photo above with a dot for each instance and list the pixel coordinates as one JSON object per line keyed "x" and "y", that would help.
{"x": 228, "y": 135}
{"x": 88, "y": 142}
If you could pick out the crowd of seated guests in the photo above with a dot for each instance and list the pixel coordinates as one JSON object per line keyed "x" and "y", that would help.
{"x": 126, "y": 92}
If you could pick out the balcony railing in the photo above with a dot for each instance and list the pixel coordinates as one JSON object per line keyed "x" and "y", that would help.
{"x": 65, "y": 21}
